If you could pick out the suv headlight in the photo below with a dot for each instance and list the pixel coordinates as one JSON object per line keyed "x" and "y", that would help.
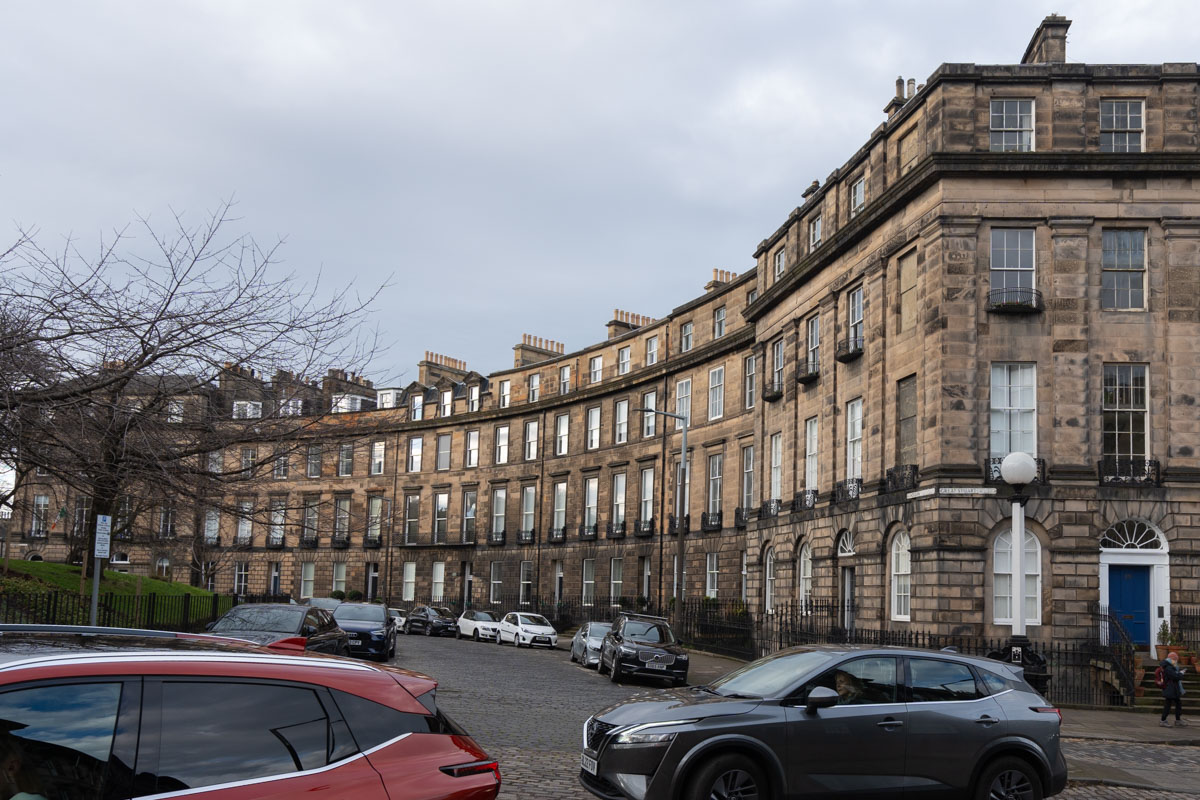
{"x": 379, "y": 634}
{"x": 650, "y": 733}
{"x": 626, "y": 651}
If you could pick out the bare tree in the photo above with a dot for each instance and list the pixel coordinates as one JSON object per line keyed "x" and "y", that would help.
{"x": 128, "y": 376}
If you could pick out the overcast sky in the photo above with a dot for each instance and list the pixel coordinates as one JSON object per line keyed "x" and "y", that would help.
{"x": 518, "y": 166}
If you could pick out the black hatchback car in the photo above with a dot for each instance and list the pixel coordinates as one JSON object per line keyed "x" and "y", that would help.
{"x": 833, "y": 722}
{"x": 639, "y": 644}
{"x": 430, "y": 620}
{"x": 264, "y": 623}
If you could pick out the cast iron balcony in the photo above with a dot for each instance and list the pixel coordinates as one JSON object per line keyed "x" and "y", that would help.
{"x": 372, "y": 541}
{"x": 901, "y": 478}
{"x": 588, "y": 531}
{"x": 1015, "y": 300}
{"x": 993, "y": 470}
{"x": 213, "y": 540}
{"x": 308, "y": 541}
{"x": 525, "y": 537}
{"x": 807, "y": 371}
{"x": 615, "y": 530}
{"x": 496, "y": 537}
{"x": 804, "y": 500}
{"x": 242, "y": 540}
{"x": 772, "y": 390}
{"x": 340, "y": 541}
{"x": 1128, "y": 471}
{"x": 468, "y": 531}
{"x": 849, "y": 349}
{"x": 644, "y": 527}
{"x": 741, "y": 517}
{"x": 710, "y": 521}
{"x": 275, "y": 541}
{"x": 558, "y": 535}
{"x": 673, "y": 526}
{"x": 770, "y": 508}
{"x": 847, "y": 490}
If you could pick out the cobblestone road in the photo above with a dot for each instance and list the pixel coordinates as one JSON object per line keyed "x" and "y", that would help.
{"x": 527, "y": 709}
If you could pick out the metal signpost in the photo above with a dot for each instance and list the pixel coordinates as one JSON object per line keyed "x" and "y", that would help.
{"x": 103, "y": 542}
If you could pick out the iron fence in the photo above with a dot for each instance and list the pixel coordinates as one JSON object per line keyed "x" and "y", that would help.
{"x": 182, "y": 612}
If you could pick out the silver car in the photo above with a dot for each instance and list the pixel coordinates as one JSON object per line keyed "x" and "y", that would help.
{"x": 833, "y": 722}
{"x": 585, "y": 647}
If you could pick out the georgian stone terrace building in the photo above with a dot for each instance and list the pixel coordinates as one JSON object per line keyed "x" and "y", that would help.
{"x": 1010, "y": 262}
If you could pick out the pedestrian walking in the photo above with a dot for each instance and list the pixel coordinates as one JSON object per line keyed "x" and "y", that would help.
{"x": 1172, "y": 690}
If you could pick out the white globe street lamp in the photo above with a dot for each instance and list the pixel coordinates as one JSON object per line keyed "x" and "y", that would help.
{"x": 1018, "y": 470}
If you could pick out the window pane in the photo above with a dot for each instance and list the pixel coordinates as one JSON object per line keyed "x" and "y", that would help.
{"x": 863, "y": 681}
{"x": 933, "y": 681}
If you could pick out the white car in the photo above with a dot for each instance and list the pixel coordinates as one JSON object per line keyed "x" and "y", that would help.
{"x": 530, "y": 630}
{"x": 477, "y": 625}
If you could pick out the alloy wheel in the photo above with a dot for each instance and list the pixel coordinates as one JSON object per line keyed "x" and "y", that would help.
{"x": 1011, "y": 785}
{"x": 735, "y": 784}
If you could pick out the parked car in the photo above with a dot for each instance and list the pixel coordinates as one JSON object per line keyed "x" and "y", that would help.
{"x": 585, "y": 646}
{"x": 834, "y": 721}
{"x": 398, "y": 615}
{"x": 430, "y": 620}
{"x": 639, "y": 644}
{"x": 327, "y": 603}
{"x": 264, "y": 623}
{"x": 371, "y": 629}
{"x": 248, "y": 723}
{"x": 530, "y": 630}
{"x": 477, "y": 625}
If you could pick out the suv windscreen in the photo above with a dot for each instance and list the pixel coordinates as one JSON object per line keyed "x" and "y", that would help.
{"x": 362, "y": 613}
{"x": 770, "y": 676}
{"x": 250, "y": 618}
{"x": 648, "y": 632}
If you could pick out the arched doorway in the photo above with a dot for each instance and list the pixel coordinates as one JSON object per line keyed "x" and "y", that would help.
{"x": 1135, "y": 582}
{"x": 846, "y": 579}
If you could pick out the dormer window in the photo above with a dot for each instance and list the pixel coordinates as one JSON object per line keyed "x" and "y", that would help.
{"x": 247, "y": 409}
{"x": 417, "y": 405}
{"x": 473, "y": 398}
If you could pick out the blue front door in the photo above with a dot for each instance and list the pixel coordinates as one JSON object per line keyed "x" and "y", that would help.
{"x": 1129, "y": 600}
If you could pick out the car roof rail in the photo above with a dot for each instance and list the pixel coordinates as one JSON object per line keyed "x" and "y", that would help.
{"x": 949, "y": 649}
{"x": 88, "y": 630}
{"x": 640, "y": 616}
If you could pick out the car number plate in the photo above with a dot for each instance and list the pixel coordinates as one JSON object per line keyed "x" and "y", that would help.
{"x": 656, "y": 665}
{"x": 587, "y": 763}
{"x": 354, "y": 641}
{"x": 541, "y": 638}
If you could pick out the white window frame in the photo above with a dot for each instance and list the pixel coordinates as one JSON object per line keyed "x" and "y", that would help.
{"x": 495, "y": 581}
{"x": 535, "y": 387}
{"x": 779, "y": 262}
{"x": 441, "y": 516}
{"x": 854, "y": 315}
{"x": 623, "y": 362}
{"x": 378, "y": 451}
{"x": 616, "y": 579}
{"x": 814, "y": 233}
{"x": 500, "y": 451}
{"x": 560, "y": 505}
{"x": 595, "y": 369}
{"x": 769, "y": 581}
{"x": 812, "y": 435}
{"x": 805, "y": 576}
{"x": 247, "y": 409}
{"x": 528, "y": 508}
{"x": 712, "y": 574}
{"x": 1109, "y": 125}
{"x": 749, "y": 380}
{"x": 1006, "y": 118}
{"x": 651, "y": 351}
{"x": 618, "y": 498}
{"x": 592, "y": 429}
{"x": 748, "y": 476}
{"x": 531, "y": 440}
{"x": 308, "y": 579}
{"x": 446, "y": 408}
{"x": 1013, "y": 412}
{"x": 437, "y": 581}
{"x": 1002, "y": 590}
{"x": 683, "y": 402}
{"x": 716, "y": 393}
{"x": 588, "y": 581}
{"x": 499, "y": 510}
{"x": 621, "y": 422}
{"x": 504, "y": 393}
{"x": 562, "y": 434}
{"x": 416, "y": 448}
{"x": 901, "y": 573}
{"x": 564, "y": 379}
{"x": 1129, "y": 407}
{"x": 1012, "y": 258}
{"x": 409, "y": 581}
{"x": 854, "y": 438}
{"x": 649, "y": 421}
{"x": 1116, "y": 262}
{"x": 472, "y": 449}
{"x": 591, "y": 501}
{"x": 526, "y": 583}
{"x": 718, "y": 322}
{"x": 339, "y": 576}
{"x": 777, "y": 361}
{"x": 646, "y": 499}
{"x": 417, "y": 407}
{"x": 686, "y": 337}
{"x": 444, "y": 444}
{"x": 858, "y": 196}
{"x": 716, "y": 468}
{"x": 473, "y": 398}
{"x": 777, "y": 466}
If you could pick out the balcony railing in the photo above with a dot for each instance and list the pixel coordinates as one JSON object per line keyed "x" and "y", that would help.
{"x": 309, "y": 541}
{"x": 770, "y": 508}
{"x": 644, "y": 527}
{"x": 372, "y": 541}
{"x": 212, "y": 540}
{"x": 804, "y": 500}
{"x": 340, "y": 541}
{"x": 807, "y": 371}
{"x": 710, "y": 521}
{"x": 901, "y": 478}
{"x": 849, "y": 349}
{"x": 772, "y": 390}
{"x": 615, "y": 530}
{"x": 525, "y": 537}
{"x": 242, "y": 540}
{"x": 558, "y": 535}
{"x": 673, "y": 524}
{"x": 1127, "y": 471}
{"x": 1015, "y": 300}
{"x": 275, "y": 541}
{"x": 847, "y": 490}
{"x": 496, "y": 537}
{"x": 587, "y": 531}
{"x": 741, "y": 517}
{"x": 468, "y": 531}
{"x": 993, "y": 470}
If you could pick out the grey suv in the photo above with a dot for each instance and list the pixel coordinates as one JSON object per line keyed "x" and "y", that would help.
{"x": 833, "y": 722}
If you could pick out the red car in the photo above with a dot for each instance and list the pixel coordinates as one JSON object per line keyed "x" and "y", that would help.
{"x": 104, "y": 713}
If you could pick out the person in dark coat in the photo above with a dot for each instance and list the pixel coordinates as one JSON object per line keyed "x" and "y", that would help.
{"x": 1172, "y": 690}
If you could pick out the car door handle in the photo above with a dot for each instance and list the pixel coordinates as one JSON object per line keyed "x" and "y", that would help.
{"x": 890, "y": 723}
{"x": 986, "y": 721}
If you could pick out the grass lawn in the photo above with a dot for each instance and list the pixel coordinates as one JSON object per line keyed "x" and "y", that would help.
{"x": 66, "y": 578}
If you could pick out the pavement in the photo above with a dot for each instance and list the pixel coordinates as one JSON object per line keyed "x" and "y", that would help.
{"x": 526, "y": 708}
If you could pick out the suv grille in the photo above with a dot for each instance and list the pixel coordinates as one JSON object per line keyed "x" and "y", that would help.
{"x": 661, "y": 658}
{"x": 596, "y": 731}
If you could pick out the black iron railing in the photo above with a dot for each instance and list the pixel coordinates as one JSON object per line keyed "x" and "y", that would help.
{"x": 525, "y": 537}
{"x": 901, "y": 479}
{"x": 644, "y": 527}
{"x": 340, "y": 541}
{"x": 993, "y": 470}
{"x": 807, "y": 371}
{"x": 243, "y": 540}
{"x": 847, "y": 490}
{"x": 615, "y": 530}
{"x": 741, "y": 517}
{"x": 772, "y": 390}
{"x": 710, "y": 521}
{"x": 496, "y": 537}
{"x": 849, "y": 349}
{"x": 587, "y": 531}
{"x": 770, "y": 508}
{"x": 1015, "y": 300}
{"x": 1122, "y": 471}
{"x": 372, "y": 541}
{"x": 673, "y": 524}
{"x": 804, "y": 500}
{"x": 557, "y": 535}
{"x": 212, "y": 541}
{"x": 275, "y": 541}
{"x": 309, "y": 541}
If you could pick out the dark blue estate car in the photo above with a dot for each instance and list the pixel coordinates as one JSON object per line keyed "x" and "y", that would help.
{"x": 371, "y": 628}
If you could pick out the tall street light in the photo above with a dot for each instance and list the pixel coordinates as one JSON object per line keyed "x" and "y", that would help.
{"x": 1019, "y": 470}
{"x": 680, "y": 552}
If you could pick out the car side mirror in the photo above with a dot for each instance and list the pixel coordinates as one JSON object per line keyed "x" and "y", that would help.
{"x": 210, "y": 625}
{"x": 308, "y": 630}
{"x": 820, "y": 697}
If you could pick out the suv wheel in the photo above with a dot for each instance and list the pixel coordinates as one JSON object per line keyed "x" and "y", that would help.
{"x": 614, "y": 674}
{"x": 728, "y": 776}
{"x": 600, "y": 665}
{"x": 1009, "y": 779}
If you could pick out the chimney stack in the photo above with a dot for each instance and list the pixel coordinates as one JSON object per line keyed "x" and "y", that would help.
{"x": 720, "y": 277}
{"x": 533, "y": 349}
{"x": 912, "y": 88}
{"x": 1049, "y": 42}
{"x": 625, "y": 321}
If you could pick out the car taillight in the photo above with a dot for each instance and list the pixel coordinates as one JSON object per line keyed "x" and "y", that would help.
{"x": 1047, "y": 710}
{"x": 473, "y": 768}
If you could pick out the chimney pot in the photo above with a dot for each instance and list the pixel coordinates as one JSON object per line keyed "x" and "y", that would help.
{"x": 912, "y": 87}
{"x": 899, "y": 86}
